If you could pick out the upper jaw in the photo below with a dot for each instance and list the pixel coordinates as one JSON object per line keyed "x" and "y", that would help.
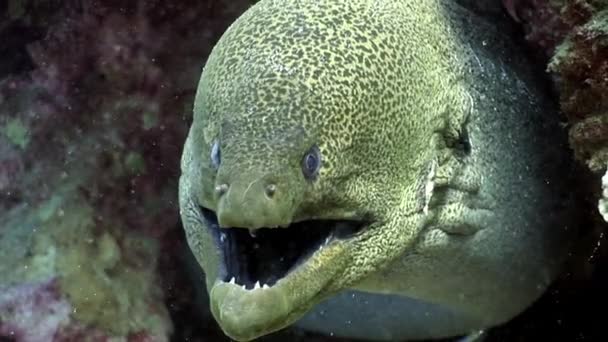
{"x": 265, "y": 255}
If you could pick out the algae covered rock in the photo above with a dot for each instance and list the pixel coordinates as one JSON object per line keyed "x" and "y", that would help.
{"x": 573, "y": 38}
{"x": 73, "y": 276}
{"x": 93, "y": 109}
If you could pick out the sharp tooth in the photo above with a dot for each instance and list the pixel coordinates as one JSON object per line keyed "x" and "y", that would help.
{"x": 243, "y": 287}
{"x": 328, "y": 239}
{"x": 222, "y": 237}
{"x": 265, "y": 286}
{"x": 257, "y": 285}
{"x": 252, "y": 233}
{"x": 232, "y": 281}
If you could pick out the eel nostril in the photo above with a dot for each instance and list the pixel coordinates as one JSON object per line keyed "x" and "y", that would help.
{"x": 221, "y": 189}
{"x": 270, "y": 190}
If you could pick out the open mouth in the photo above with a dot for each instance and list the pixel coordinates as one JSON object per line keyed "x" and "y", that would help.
{"x": 261, "y": 257}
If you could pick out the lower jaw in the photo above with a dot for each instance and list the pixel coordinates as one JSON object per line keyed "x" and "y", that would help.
{"x": 247, "y": 314}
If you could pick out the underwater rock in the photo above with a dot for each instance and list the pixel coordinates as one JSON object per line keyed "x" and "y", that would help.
{"x": 101, "y": 273}
{"x": 573, "y": 36}
{"x": 90, "y": 136}
{"x": 542, "y": 22}
{"x": 581, "y": 63}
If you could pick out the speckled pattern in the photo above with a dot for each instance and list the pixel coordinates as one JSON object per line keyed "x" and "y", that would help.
{"x": 387, "y": 90}
{"x": 293, "y": 77}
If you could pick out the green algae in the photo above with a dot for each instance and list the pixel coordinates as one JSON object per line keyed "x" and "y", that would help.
{"x": 107, "y": 273}
{"x": 100, "y": 272}
{"x": 135, "y": 163}
{"x": 17, "y": 133}
{"x": 149, "y": 120}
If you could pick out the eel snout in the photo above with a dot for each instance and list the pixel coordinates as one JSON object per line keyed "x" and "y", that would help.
{"x": 256, "y": 204}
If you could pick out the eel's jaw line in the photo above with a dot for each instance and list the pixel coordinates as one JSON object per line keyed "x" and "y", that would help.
{"x": 269, "y": 277}
{"x": 254, "y": 258}
{"x": 245, "y": 314}
{"x": 262, "y": 285}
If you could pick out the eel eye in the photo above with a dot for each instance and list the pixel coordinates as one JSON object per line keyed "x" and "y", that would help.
{"x": 311, "y": 163}
{"x": 215, "y": 155}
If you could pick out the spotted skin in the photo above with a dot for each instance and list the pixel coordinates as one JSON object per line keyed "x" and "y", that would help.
{"x": 406, "y": 108}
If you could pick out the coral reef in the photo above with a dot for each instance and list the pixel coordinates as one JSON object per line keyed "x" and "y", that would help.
{"x": 94, "y": 110}
{"x": 581, "y": 61}
{"x": 573, "y": 36}
{"x": 86, "y": 276}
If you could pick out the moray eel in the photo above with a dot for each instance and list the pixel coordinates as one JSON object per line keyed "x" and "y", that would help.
{"x": 374, "y": 169}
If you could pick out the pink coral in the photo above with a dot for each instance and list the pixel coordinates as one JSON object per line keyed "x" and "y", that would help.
{"x": 32, "y": 312}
